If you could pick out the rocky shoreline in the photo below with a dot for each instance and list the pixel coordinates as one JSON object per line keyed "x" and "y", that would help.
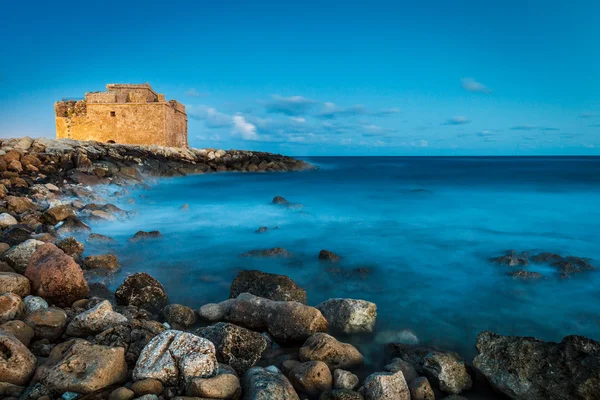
{"x": 63, "y": 337}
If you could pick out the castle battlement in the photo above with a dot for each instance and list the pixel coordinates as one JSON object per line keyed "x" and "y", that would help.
{"x": 124, "y": 113}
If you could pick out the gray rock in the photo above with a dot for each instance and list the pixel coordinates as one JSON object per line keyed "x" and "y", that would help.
{"x": 212, "y": 312}
{"x": 95, "y": 320}
{"x": 263, "y": 384}
{"x": 349, "y": 315}
{"x": 179, "y": 315}
{"x": 7, "y": 220}
{"x": 34, "y": 303}
{"x": 420, "y": 389}
{"x": 532, "y": 369}
{"x": 343, "y": 379}
{"x": 18, "y": 256}
{"x": 385, "y": 386}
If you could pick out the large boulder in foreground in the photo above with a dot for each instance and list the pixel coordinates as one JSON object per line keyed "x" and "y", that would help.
{"x": 286, "y": 321}
{"x": 532, "y": 369}
{"x": 237, "y": 347}
{"x": 55, "y": 276}
{"x": 270, "y": 286}
{"x": 448, "y": 370}
{"x": 175, "y": 358}
{"x": 81, "y": 367}
{"x": 143, "y": 291}
{"x": 266, "y": 384}
{"x": 17, "y": 364}
{"x": 349, "y": 315}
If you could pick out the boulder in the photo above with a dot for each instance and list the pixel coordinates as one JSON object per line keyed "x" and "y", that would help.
{"x": 385, "y": 386}
{"x": 11, "y": 282}
{"x": 7, "y": 220}
{"x": 420, "y": 389}
{"x": 235, "y": 346}
{"x": 326, "y": 255}
{"x": 72, "y": 247}
{"x": 142, "y": 235}
{"x": 267, "y": 384}
{"x": 142, "y": 290}
{"x": 279, "y": 200}
{"x": 343, "y": 379}
{"x": 312, "y": 378}
{"x": 398, "y": 364}
{"x": 270, "y": 286}
{"x": 17, "y": 234}
{"x": 523, "y": 275}
{"x": 121, "y": 393}
{"x": 47, "y": 323}
{"x": 147, "y": 386}
{"x": 105, "y": 262}
{"x": 349, "y": 315}
{"x": 34, "y": 303}
{"x": 56, "y": 214}
{"x": 213, "y": 312}
{"x": 95, "y": 320}
{"x": 71, "y": 225}
{"x": 18, "y": 329}
{"x": 175, "y": 357}
{"x": 17, "y": 364}
{"x": 533, "y": 369}
{"x": 511, "y": 259}
{"x": 446, "y": 369}
{"x": 11, "y": 307}
{"x": 96, "y": 238}
{"x": 55, "y": 276}
{"x": 81, "y": 367}
{"x": 19, "y": 205}
{"x": 178, "y": 315}
{"x": 18, "y": 256}
{"x": 222, "y": 386}
{"x": 326, "y": 348}
{"x": 286, "y": 321}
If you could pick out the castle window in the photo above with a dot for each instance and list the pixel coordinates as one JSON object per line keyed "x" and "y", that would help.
{"x": 113, "y": 114}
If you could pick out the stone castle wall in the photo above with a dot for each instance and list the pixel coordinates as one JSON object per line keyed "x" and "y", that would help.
{"x": 128, "y": 114}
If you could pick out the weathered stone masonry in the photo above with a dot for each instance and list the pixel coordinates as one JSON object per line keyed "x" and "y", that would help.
{"x": 125, "y": 113}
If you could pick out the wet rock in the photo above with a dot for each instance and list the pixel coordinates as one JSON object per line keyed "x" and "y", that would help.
{"x": 343, "y": 379}
{"x": 71, "y": 247}
{"x": 572, "y": 265}
{"x": 47, "y": 323}
{"x": 18, "y": 257}
{"x": 446, "y": 369}
{"x": 326, "y": 255}
{"x": 222, "y": 386}
{"x": 142, "y": 235}
{"x": 11, "y": 282}
{"x": 312, "y": 377}
{"x": 34, "y": 303}
{"x": 286, "y": 321}
{"x": 147, "y": 386}
{"x": 511, "y": 259}
{"x": 17, "y": 363}
{"x": 341, "y": 394}
{"x": 326, "y": 348}
{"x": 235, "y": 346}
{"x": 262, "y": 229}
{"x": 349, "y": 315}
{"x": 7, "y": 220}
{"x": 103, "y": 262}
{"x": 532, "y": 369}
{"x": 270, "y": 286}
{"x": 11, "y": 307}
{"x": 18, "y": 329}
{"x": 212, "y": 312}
{"x": 179, "y": 315}
{"x": 72, "y": 225}
{"x": 523, "y": 275}
{"x": 142, "y": 290}
{"x": 55, "y": 276}
{"x": 81, "y": 367}
{"x": 95, "y": 320}
{"x": 96, "y": 238}
{"x": 56, "y": 214}
{"x": 420, "y": 389}
{"x": 175, "y": 357}
{"x": 546, "y": 258}
{"x": 268, "y": 253}
{"x": 279, "y": 200}
{"x": 398, "y": 364}
{"x": 264, "y": 384}
{"x": 385, "y": 386}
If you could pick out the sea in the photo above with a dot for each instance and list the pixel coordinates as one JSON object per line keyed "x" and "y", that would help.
{"x": 415, "y": 236}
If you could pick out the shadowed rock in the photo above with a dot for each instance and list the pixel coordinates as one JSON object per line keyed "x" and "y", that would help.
{"x": 270, "y": 286}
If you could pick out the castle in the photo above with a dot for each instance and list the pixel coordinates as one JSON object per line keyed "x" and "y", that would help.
{"x": 125, "y": 113}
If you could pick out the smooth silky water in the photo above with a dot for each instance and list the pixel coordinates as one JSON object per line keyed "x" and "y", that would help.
{"x": 421, "y": 231}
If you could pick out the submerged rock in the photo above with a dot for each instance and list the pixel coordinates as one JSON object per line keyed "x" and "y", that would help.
{"x": 143, "y": 235}
{"x": 572, "y": 265}
{"x": 142, "y": 290}
{"x": 326, "y": 255}
{"x": 526, "y": 275}
{"x": 266, "y": 384}
{"x": 448, "y": 370}
{"x": 532, "y": 369}
{"x": 268, "y": 253}
{"x": 175, "y": 358}
{"x": 103, "y": 262}
{"x": 97, "y": 238}
{"x": 512, "y": 259}
{"x": 270, "y": 286}
{"x": 279, "y": 200}
{"x": 546, "y": 258}
{"x": 349, "y": 315}
{"x": 235, "y": 346}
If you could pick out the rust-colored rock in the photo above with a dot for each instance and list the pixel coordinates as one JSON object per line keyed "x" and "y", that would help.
{"x": 55, "y": 276}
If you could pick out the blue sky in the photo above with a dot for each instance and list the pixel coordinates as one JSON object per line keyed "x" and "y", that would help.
{"x": 323, "y": 78}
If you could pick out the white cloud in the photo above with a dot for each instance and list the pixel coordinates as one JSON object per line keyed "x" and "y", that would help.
{"x": 244, "y": 128}
{"x": 298, "y": 120}
{"x": 471, "y": 85}
{"x": 211, "y": 117}
{"x": 293, "y": 105}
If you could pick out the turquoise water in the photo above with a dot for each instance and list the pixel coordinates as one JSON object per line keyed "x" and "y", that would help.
{"x": 422, "y": 229}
